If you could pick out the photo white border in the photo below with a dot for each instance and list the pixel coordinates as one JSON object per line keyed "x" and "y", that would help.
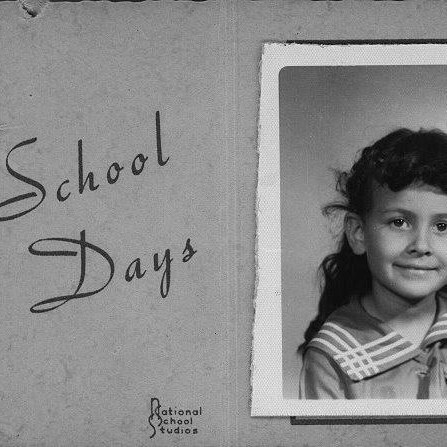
{"x": 267, "y": 377}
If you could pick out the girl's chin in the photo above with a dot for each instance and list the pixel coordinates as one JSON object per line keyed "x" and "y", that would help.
{"x": 412, "y": 292}
{"x": 414, "y": 296}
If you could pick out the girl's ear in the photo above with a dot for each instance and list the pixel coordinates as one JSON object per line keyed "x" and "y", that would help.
{"x": 355, "y": 233}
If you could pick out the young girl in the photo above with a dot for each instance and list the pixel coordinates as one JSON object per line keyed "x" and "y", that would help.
{"x": 381, "y": 328}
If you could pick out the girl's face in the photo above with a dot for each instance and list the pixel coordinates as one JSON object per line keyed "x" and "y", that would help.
{"x": 404, "y": 236}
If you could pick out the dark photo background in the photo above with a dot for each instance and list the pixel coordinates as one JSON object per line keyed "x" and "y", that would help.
{"x": 326, "y": 115}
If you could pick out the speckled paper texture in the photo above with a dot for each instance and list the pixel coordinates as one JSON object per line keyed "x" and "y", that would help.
{"x": 116, "y": 367}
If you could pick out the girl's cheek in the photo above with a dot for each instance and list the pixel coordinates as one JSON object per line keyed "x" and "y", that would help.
{"x": 440, "y": 247}
{"x": 391, "y": 243}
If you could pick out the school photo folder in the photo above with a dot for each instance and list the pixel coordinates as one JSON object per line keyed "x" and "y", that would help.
{"x": 128, "y": 179}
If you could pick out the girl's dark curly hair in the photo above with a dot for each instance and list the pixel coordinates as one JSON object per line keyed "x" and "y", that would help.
{"x": 398, "y": 160}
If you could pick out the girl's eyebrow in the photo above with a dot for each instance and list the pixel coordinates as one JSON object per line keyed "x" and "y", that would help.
{"x": 410, "y": 213}
{"x": 395, "y": 210}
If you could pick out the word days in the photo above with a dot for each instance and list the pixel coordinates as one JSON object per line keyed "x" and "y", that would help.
{"x": 134, "y": 270}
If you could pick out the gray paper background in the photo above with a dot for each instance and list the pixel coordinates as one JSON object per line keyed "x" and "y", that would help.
{"x": 83, "y": 375}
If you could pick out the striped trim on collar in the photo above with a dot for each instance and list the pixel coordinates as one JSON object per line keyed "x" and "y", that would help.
{"x": 364, "y": 347}
{"x": 439, "y": 330}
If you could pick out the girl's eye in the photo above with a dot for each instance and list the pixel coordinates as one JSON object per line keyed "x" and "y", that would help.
{"x": 399, "y": 223}
{"x": 441, "y": 226}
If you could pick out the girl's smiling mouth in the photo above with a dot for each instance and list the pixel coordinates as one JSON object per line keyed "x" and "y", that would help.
{"x": 415, "y": 271}
{"x": 415, "y": 267}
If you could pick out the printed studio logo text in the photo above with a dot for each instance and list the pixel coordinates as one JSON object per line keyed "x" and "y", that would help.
{"x": 173, "y": 420}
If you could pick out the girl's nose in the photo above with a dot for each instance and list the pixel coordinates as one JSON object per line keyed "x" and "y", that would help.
{"x": 420, "y": 243}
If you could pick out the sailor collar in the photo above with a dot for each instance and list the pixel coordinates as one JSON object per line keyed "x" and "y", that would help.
{"x": 363, "y": 346}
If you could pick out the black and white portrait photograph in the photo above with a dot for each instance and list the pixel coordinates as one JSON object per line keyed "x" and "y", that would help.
{"x": 351, "y": 305}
